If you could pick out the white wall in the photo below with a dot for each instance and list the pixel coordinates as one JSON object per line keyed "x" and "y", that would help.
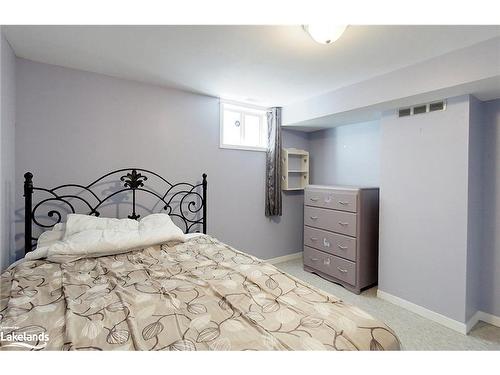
{"x": 346, "y": 155}
{"x": 7, "y": 131}
{"x": 74, "y": 126}
{"x": 423, "y": 208}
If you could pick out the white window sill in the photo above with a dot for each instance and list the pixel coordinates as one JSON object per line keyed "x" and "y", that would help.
{"x": 243, "y": 148}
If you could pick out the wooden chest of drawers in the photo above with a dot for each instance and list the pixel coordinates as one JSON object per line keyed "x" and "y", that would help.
{"x": 341, "y": 234}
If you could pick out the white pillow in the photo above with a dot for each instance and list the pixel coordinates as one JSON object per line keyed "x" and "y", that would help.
{"x": 86, "y": 235}
{"x": 79, "y": 223}
{"x": 47, "y": 239}
{"x": 50, "y": 236}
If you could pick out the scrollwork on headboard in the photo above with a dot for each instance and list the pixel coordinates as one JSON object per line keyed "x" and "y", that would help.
{"x": 186, "y": 203}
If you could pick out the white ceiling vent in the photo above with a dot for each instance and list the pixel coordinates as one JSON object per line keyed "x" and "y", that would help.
{"x": 422, "y": 108}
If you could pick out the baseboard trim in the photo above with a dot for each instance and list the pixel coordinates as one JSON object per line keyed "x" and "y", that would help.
{"x": 422, "y": 311}
{"x": 473, "y": 321}
{"x": 438, "y": 318}
{"x": 489, "y": 318}
{"x": 484, "y": 317}
{"x": 285, "y": 258}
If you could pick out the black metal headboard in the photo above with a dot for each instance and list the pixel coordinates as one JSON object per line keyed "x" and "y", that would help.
{"x": 180, "y": 200}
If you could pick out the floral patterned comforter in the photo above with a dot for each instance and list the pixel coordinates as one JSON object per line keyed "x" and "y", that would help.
{"x": 197, "y": 295}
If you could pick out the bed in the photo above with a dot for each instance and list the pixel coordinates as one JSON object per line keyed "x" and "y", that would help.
{"x": 191, "y": 292}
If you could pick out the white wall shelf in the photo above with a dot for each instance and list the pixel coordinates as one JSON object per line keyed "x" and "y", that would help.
{"x": 294, "y": 169}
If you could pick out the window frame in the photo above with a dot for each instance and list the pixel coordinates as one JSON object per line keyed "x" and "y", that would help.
{"x": 243, "y": 109}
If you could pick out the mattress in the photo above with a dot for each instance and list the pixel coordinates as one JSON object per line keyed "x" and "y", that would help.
{"x": 198, "y": 295}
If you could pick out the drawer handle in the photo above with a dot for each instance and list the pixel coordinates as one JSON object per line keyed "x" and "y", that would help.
{"x": 343, "y": 224}
{"x": 326, "y": 243}
{"x": 342, "y": 247}
{"x": 342, "y": 270}
{"x": 314, "y": 259}
{"x": 326, "y": 261}
{"x": 314, "y": 199}
{"x": 314, "y": 239}
{"x": 314, "y": 218}
{"x": 344, "y": 203}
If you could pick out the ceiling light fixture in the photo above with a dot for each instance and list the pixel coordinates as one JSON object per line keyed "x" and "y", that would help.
{"x": 325, "y": 34}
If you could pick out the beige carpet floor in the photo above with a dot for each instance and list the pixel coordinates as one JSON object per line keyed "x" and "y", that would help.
{"x": 414, "y": 331}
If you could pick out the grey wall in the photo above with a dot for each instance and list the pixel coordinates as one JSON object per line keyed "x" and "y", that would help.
{"x": 475, "y": 205}
{"x": 440, "y": 205}
{"x": 73, "y": 126}
{"x": 7, "y": 131}
{"x": 440, "y": 200}
{"x": 490, "y": 264}
{"x": 346, "y": 155}
{"x": 423, "y": 208}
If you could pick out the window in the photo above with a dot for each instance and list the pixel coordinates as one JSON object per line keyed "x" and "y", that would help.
{"x": 243, "y": 127}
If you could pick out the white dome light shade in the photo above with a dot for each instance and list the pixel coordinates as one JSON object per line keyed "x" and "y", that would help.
{"x": 325, "y": 34}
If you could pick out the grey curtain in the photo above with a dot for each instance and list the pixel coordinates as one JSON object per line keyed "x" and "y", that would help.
{"x": 273, "y": 163}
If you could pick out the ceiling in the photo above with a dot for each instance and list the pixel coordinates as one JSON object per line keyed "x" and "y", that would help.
{"x": 266, "y": 65}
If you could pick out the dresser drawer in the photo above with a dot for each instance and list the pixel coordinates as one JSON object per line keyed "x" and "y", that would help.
{"x": 336, "y": 221}
{"x": 339, "y": 268}
{"x": 336, "y": 244}
{"x": 316, "y": 259}
{"x": 341, "y": 200}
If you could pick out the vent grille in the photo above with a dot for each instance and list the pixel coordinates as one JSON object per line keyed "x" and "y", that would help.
{"x": 422, "y": 108}
{"x": 436, "y": 106}
{"x": 404, "y": 112}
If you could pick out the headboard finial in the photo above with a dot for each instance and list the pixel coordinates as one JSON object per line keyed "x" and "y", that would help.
{"x": 28, "y": 177}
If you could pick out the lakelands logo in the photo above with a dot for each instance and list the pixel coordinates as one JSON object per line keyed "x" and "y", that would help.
{"x": 24, "y": 339}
